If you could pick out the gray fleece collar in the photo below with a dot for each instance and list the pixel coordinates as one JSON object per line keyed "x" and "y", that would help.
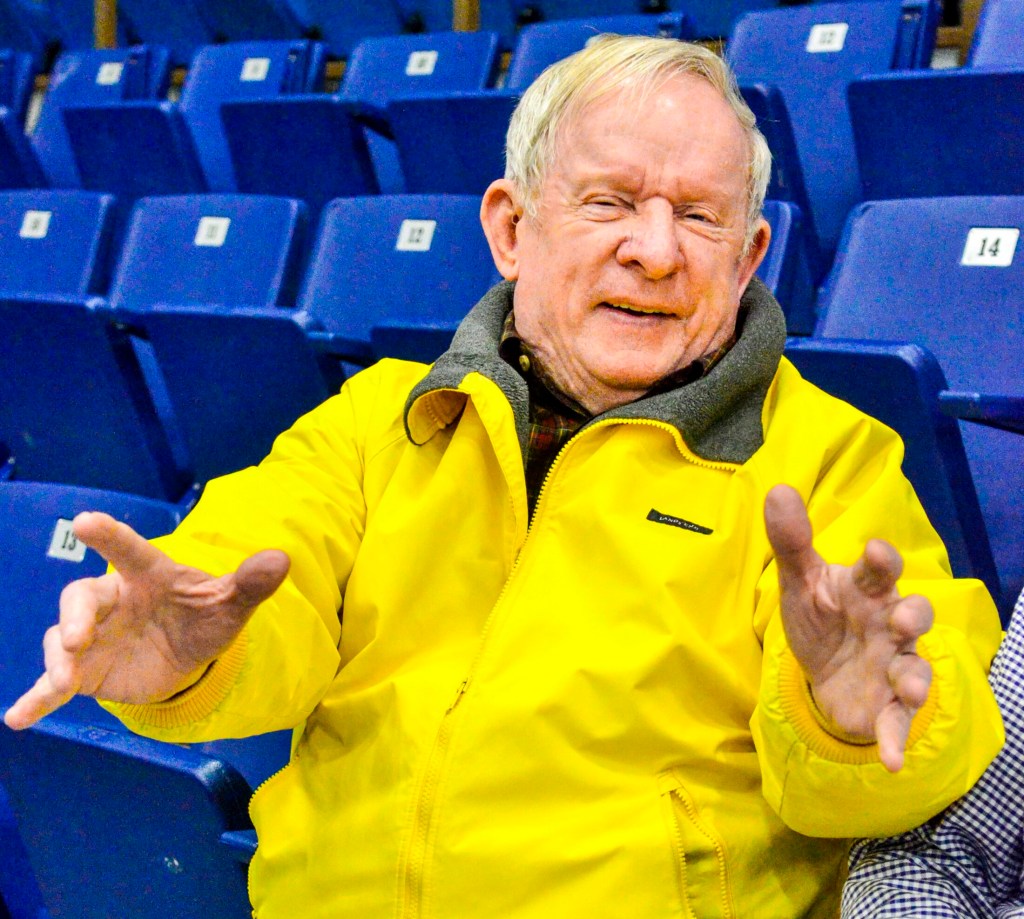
{"x": 718, "y": 416}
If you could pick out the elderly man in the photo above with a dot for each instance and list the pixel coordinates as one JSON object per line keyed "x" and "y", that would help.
{"x": 551, "y": 642}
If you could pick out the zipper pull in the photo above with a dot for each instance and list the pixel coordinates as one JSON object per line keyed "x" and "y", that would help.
{"x": 458, "y": 695}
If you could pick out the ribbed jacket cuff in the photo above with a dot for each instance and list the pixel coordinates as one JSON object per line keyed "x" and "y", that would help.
{"x": 813, "y": 729}
{"x": 198, "y": 701}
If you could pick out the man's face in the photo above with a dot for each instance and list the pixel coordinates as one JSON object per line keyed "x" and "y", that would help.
{"x": 634, "y": 264}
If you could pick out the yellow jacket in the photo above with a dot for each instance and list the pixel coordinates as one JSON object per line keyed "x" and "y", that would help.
{"x": 593, "y": 714}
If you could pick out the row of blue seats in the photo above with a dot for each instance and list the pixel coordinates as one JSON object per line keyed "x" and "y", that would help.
{"x": 220, "y": 324}
{"x": 37, "y": 26}
{"x": 418, "y": 114}
{"x": 921, "y": 323}
{"x": 105, "y": 117}
{"x": 186, "y": 25}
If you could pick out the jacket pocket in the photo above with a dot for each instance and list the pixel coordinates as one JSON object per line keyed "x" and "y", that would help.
{"x": 699, "y": 854}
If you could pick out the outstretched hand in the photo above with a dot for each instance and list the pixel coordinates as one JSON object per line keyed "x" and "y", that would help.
{"x": 852, "y": 633}
{"x": 145, "y": 631}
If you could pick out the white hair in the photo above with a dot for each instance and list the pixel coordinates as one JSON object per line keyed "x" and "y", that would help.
{"x": 607, "y": 61}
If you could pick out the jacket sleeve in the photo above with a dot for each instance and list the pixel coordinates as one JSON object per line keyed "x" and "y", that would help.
{"x": 969, "y": 861}
{"x": 824, "y": 786}
{"x": 306, "y": 498}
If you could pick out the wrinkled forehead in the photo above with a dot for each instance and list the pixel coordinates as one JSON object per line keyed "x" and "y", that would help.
{"x": 667, "y": 95}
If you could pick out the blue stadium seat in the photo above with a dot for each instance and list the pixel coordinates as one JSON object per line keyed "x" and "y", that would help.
{"x": 454, "y": 142}
{"x": 785, "y": 269}
{"x": 90, "y": 77}
{"x": 176, "y": 24}
{"x": 138, "y": 148}
{"x": 17, "y": 79}
{"x": 214, "y": 254}
{"x": 787, "y": 177}
{"x": 39, "y": 556}
{"x": 811, "y": 54}
{"x": 254, "y": 20}
{"x": 389, "y": 276}
{"x": 27, "y": 26}
{"x": 711, "y": 18}
{"x": 432, "y": 251}
{"x": 231, "y": 250}
{"x": 53, "y": 241}
{"x": 381, "y": 69}
{"x": 118, "y": 825}
{"x": 997, "y": 36}
{"x": 19, "y": 167}
{"x": 318, "y": 146}
{"x": 311, "y": 147}
{"x": 947, "y": 274}
{"x": 344, "y": 25}
{"x": 546, "y": 42}
{"x": 939, "y": 133}
{"x": 426, "y": 15}
{"x": 74, "y": 407}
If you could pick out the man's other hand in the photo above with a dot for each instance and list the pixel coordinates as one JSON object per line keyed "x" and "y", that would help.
{"x": 853, "y": 634}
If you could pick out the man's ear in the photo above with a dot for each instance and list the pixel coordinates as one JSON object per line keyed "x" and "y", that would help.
{"x": 755, "y": 254}
{"x": 500, "y": 214}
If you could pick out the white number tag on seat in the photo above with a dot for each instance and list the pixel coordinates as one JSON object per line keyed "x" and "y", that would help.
{"x": 415, "y": 235}
{"x": 827, "y": 36}
{"x": 35, "y": 224}
{"x": 64, "y": 544}
{"x": 212, "y": 231}
{"x": 255, "y": 69}
{"x": 991, "y": 247}
{"x": 109, "y": 73}
{"x": 421, "y": 64}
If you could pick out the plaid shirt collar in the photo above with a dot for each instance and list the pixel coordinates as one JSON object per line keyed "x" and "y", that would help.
{"x": 555, "y": 416}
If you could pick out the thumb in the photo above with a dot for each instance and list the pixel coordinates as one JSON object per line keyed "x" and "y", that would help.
{"x": 790, "y": 534}
{"x": 258, "y": 577}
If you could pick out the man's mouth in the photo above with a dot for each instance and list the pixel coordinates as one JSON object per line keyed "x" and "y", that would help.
{"x": 635, "y": 310}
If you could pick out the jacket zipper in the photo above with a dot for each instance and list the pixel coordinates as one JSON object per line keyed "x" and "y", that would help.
{"x": 270, "y": 778}
{"x": 686, "y": 804}
{"x": 416, "y": 851}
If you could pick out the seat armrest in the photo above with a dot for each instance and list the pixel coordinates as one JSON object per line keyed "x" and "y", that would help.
{"x": 1003, "y": 412}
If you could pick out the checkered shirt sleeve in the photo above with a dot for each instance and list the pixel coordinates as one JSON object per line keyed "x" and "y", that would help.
{"x": 969, "y": 860}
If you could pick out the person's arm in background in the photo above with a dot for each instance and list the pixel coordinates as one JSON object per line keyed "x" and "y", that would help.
{"x": 968, "y": 861}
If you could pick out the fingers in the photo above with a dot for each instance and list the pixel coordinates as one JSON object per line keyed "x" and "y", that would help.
{"x": 259, "y": 576}
{"x": 83, "y": 604}
{"x": 911, "y": 618}
{"x": 117, "y": 542}
{"x": 892, "y": 728}
{"x": 57, "y": 685}
{"x": 875, "y": 573}
{"x": 910, "y": 677}
{"x": 789, "y": 532}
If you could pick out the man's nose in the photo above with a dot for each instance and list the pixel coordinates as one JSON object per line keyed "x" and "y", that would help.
{"x": 653, "y": 242}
